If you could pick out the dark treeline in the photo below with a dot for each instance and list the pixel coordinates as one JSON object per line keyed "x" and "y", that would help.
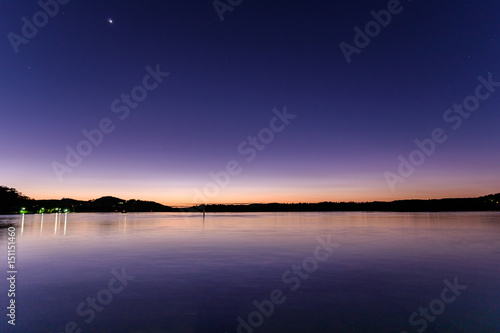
{"x": 104, "y": 204}
{"x": 485, "y": 203}
{"x": 11, "y": 201}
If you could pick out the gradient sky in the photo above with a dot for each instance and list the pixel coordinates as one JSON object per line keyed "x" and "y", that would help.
{"x": 353, "y": 119}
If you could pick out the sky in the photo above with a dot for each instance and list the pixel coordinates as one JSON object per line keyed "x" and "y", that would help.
{"x": 188, "y": 102}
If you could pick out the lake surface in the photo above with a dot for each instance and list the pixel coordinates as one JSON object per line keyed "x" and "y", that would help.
{"x": 255, "y": 272}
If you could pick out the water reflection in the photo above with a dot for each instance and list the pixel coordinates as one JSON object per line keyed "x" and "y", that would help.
{"x": 196, "y": 274}
{"x": 79, "y": 224}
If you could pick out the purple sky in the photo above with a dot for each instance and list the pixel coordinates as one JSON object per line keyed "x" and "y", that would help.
{"x": 348, "y": 122}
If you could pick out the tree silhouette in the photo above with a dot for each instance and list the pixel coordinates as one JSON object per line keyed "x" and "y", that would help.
{"x": 11, "y": 201}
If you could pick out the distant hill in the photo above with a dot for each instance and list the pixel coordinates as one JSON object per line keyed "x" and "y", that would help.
{"x": 485, "y": 203}
{"x": 11, "y": 201}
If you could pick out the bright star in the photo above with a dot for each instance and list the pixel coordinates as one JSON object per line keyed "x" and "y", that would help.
{"x": 110, "y": 21}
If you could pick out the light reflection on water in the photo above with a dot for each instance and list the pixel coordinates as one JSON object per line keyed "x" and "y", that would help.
{"x": 199, "y": 275}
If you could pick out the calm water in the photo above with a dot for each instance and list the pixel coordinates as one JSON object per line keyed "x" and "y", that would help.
{"x": 180, "y": 273}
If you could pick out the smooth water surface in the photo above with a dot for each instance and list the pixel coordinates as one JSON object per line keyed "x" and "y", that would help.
{"x": 189, "y": 274}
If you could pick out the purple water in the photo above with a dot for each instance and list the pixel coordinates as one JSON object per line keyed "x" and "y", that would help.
{"x": 183, "y": 273}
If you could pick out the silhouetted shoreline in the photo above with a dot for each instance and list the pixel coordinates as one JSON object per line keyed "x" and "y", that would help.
{"x": 486, "y": 203}
{"x": 12, "y": 202}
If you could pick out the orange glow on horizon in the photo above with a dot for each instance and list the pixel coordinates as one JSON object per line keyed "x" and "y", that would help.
{"x": 185, "y": 198}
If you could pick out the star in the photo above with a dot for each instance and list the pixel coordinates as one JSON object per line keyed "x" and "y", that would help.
{"x": 110, "y": 20}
